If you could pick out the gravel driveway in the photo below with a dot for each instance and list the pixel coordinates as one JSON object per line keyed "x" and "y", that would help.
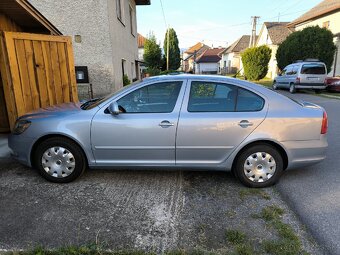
{"x": 141, "y": 210}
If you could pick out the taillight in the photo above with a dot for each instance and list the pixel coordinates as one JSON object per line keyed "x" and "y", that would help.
{"x": 297, "y": 80}
{"x": 324, "y": 125}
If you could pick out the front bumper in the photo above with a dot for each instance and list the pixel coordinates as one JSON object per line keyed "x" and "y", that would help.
{"x": 305, "y": 153}
{"x": 21, "y": 148}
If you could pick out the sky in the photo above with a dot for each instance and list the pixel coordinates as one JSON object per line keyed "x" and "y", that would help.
{"x": 214, "y": 22}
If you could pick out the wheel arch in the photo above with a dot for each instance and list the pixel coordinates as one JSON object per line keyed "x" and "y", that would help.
{"x": 277, "y": 146}
{"x": 48, "y": 136}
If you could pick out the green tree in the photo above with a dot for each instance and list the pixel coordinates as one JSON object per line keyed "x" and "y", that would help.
{"x": 255, "y": 62}
{"x": 174, "y": 52}
{"x": 311, "y": 42}
{"x": 152, "y": 52}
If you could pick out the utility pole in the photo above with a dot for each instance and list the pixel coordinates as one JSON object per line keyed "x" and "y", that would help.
{"x": 253, "y": 32}
{"x": 167, "y": 48}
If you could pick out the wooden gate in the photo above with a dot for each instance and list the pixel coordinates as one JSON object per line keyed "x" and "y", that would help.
{"x": 37, "y": 71}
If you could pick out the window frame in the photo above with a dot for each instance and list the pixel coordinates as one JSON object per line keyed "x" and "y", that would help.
{"x": 132, "y": 21}
{"x": 180, "y": 82}
{"x": 236, "y": 97}
{"x": 120, "y": 11}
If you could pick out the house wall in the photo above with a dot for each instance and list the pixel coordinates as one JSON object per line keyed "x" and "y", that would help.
{"x": 203, "y": 68}
{"x": 105, "y": 40}
{"x": 264, "y": 39}
{"x": 231, "y": 61}
{"x": 334, "y": 27}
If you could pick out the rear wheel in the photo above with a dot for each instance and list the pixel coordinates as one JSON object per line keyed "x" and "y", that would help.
{"x": 259, "y": 166}
{"x": 59, "y": 160}
{"x": 292, "y": 88}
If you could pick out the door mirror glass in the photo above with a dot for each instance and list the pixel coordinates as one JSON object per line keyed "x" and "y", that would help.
{"x": 113, "y": 108}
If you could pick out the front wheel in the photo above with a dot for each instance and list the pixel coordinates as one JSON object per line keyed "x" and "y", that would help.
{"x": 275, "y": 87}
{"x": 59, "y": 160}
{"x": 259, "y": 166}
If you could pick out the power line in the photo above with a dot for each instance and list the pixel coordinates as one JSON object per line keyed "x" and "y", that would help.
{"x": 166, "y": 23}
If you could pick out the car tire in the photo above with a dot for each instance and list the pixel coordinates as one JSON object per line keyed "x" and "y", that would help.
{"x": 259, "y": 166}
{"x": 275, "y": 87}
{"x": 59, "y": 160}
{"x": 292, "y": 88}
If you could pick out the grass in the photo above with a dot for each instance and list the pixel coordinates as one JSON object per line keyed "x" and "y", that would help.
{"x": 267, "y": 82}
{"x": 288, "y": 242}
{"x": 235, "y": 237}
{"x": 271, "y": 212}
{"x": 254, "y": 192}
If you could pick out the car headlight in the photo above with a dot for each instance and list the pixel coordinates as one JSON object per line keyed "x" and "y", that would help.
{"x": 20, "y": 126}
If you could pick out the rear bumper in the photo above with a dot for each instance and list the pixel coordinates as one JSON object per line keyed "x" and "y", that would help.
{"x": 310, "y": 86}
{"x": 333, "y": 88}
{"x": 305, "y": 153}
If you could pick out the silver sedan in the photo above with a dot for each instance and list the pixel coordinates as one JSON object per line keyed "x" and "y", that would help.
{"x": 175, "y": 122}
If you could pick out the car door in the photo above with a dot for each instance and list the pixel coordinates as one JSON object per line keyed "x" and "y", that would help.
{"x": 215, "y": 118}
{"x": 144, "y": 131}
{"x": 280, "y": 78}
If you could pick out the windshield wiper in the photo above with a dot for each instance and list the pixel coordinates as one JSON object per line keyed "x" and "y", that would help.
{"x": 85, "y": 105}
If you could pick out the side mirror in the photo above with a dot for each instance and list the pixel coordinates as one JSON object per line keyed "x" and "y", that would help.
{"x": 113, "y": 108}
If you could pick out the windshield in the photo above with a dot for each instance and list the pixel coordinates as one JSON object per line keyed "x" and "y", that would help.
{"x": 97, "y": 101}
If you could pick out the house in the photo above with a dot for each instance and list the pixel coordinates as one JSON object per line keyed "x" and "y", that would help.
{"x": 36, "y": 63}
{"x": 190, "y": 56}
{"x": 325, "y": 14}
{"x": 209, "y": 61}
{"x": 231, "y": 56}
{"x": 104, "y": 37}
{"x": 272, "y": 34}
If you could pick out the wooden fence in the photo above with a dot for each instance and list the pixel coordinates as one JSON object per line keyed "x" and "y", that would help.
{"x": 37, "y": 71}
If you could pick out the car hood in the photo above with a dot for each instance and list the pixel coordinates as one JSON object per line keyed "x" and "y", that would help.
{"x": 55, "y": 110}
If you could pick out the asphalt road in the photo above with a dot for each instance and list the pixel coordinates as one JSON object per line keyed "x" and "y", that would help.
{"x": 314, "y": 192}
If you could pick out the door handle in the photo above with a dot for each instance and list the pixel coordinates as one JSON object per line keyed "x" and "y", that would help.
{"x": 245, "y": 123}
{"x": 166, "y": 123}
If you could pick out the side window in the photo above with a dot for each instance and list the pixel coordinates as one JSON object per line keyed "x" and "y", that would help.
{"x": 212, "y": 97}
{"x": 155, "y": 98}
{"x": 289, "y": 70}
{"x": 248, "y": 101}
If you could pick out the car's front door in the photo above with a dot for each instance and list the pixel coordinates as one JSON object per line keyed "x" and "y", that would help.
{"x": 215, "y": 118}
{"x": 145, "y": 130}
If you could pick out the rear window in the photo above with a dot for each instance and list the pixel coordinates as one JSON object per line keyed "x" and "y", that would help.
{"x": 313, "y": 69}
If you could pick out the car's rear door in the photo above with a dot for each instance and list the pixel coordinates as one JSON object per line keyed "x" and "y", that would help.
{"x": 215, "y": 118}
{"x": 144, "y": 132}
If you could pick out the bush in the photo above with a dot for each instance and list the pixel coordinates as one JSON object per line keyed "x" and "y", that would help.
{"x": 170, "y": 72}
{"x": 152, "y": 71}
{"x": 255, "y": 62}
{"x": 311, "y": 42}
{"x": 126, "y": 80}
